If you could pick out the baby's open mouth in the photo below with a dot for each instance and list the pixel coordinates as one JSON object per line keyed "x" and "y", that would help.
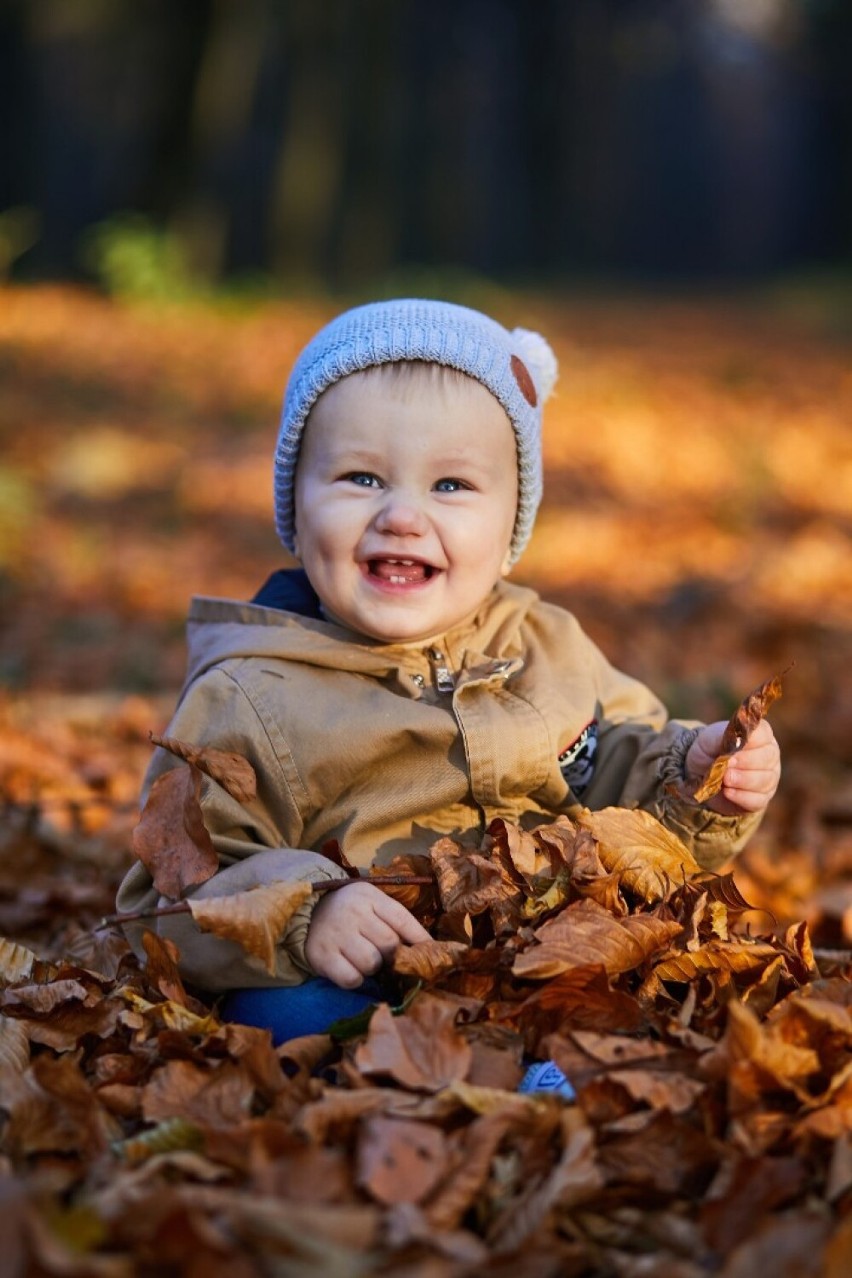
{"x": 400, "y": 572}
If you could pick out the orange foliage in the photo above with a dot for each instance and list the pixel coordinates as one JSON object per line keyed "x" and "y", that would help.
{"x": 698, "y": 490}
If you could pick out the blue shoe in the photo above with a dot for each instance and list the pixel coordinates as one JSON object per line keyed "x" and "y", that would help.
{"x": 546, "y": 1076}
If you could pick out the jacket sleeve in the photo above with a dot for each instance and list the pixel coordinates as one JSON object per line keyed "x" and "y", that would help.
{"x": 641, "y": 756}
{"x": 257, "y": 844}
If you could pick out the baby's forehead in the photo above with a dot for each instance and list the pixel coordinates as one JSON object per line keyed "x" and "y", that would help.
{"x": 432, "y": 404}
{"x": 412, "y": 377}
{"x": 406, "y": 382}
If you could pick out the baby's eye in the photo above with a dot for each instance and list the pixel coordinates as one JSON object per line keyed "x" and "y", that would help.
{"x": 363, "y": 478}
{"x": 450, "y": 485}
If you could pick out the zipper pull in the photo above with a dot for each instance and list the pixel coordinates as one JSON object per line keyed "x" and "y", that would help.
{"x": 444, "y": 680}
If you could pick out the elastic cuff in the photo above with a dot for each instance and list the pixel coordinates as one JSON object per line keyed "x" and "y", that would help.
{"x": 673, "y": 762}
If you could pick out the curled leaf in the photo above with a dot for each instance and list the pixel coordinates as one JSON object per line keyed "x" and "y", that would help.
{"x": 232, "y": 771}
{"x": 17, "y": 963}
{"x": 467, "y": 882}
{"x": 162, "y": 967}
{"x": 421, "y": 899}
{"x": 715, "y": 956}
{"x": 740, "y": 726}
{"x": 255, "y": 919}
{"x": 428, "y": 960}
{"x": 540, "y": 854}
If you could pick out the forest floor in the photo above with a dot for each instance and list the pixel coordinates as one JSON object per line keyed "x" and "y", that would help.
{"x": 697, "y": 519}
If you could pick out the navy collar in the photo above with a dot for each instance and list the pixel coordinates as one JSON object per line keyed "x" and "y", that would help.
{"x": 290, "y": 590}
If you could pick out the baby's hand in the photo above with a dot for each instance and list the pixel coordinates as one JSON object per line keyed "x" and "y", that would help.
{"x": 752, "y": 775}
{"x": 354, "y": 929}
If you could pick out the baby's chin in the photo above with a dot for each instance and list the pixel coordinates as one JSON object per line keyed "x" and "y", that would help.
{"x": 410, "y": 636}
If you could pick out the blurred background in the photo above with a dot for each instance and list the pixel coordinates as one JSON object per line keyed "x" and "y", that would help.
{"x": 335, "y": 144}
{"x": 189, "y": 188}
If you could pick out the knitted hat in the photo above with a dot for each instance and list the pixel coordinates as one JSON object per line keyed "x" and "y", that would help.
{"x": 519, "y": 369}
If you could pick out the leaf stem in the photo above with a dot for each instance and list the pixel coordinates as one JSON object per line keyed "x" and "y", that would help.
{"x": 327, "y": 885}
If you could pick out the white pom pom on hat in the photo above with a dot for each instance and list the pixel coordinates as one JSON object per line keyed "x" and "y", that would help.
{"x": 539, "y": 358}
{"x": 519, "y": 368}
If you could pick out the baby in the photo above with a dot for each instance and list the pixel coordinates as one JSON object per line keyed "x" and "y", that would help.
{"x": 396, "y": 688}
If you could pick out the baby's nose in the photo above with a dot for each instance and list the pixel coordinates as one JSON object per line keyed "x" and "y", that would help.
{"x": 401, "y": 514}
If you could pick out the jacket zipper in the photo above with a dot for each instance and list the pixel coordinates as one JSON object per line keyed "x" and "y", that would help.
{"x": 444, "y": 680}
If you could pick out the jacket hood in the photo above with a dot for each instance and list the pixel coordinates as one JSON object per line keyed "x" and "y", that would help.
{"x": 226, "y": 629}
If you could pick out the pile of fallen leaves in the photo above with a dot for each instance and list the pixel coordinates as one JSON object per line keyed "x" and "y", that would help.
{"x": 712, "y": 1068}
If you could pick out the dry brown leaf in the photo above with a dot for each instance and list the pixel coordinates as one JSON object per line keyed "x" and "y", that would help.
{"x": 181, "y": 1089}
{"x": 585, "y": 935}
{"x": 822, "y": 1014}
{"x": 422, "y": 1050}
{"x": 715, "y": 956}
{"x": 581, "y": 997}
{"x": 659, "y": 1089}
{"x": 58, "y": 1111}
{"x": 468, "y": 1167}
{"x": 740, "y": 726}
{"x": 162, "y": 967}
{"x": 722, "y": 888}
{"x": 65, "y": 1025}
{"x": 304, "y": 1054}
{"x": 618, "y": 1049}
{"x": 468, "y": 883}
{"x": 157, "y": 1014}
{"x": 838, "y": 1250}
{"x": 537, "y": 854}
{"x": 43, "y": 999}
{"x": 232, "y": 771}
{"x": 789, "y": 1244}
{"x": 14, "y": 1046}
{"x": 752, "y": 1187}
{"x": 171, "y": 839}
{"x": 632, "y": 843}
{"x": 407, "y": 1228}
{"x": 17, "y": 963}
{"x": 761, "y": 995}
{"x": 420, "y": 899}
{"x": 605, "y": 890}
{"x": 667, "y": 1154}
{"x": 800, "y": 952}
{"x": 756, "y": 1058}
{"x": 491, "y": 1100}
{"x": 496, "y": 1065}
{"x": 399, "y": 1161}
{"x": 256, "y": 919}
{"x": 429, "y": 960}
{"x": 326, "y": 1239}
{"x": 336, "y": 1113}
{"x": 295, "y": 1172}
{"x": 575, "y": 1178}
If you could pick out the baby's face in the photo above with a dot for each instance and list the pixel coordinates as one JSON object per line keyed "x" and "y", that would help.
{"x": 406, "y": 494}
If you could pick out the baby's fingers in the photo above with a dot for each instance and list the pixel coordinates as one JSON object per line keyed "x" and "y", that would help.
{"x": 402, "y": 921}
{"x": 761, "y": 743}
{"x": 342, "y": 971}
{"x": 751, "y": 781}
{"x": 759, "y": 761}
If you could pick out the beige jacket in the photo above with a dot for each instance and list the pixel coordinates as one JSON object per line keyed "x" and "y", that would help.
{"x": 515, "y": 714}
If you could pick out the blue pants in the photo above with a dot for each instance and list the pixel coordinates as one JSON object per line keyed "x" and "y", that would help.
{"x": 310, "y": 1008}
{"x": 292, "y": 1010}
